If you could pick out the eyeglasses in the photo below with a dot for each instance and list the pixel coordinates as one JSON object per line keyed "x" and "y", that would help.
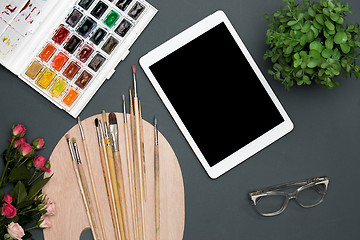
{"x": 270, "y": 201}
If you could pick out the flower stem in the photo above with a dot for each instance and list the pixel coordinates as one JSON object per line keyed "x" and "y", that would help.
{"x": 3, "y": 175}
{"x": 32, "y": 176}
{"x": 36, "y": 178}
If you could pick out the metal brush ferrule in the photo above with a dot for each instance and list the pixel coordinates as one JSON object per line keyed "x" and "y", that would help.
{"x": 114, "y": 136}
{"x": 71, "y": 149}
{"x": 99, "y": 135}
{"x": 77, "y": 153}
{"x": 81, "y": 129}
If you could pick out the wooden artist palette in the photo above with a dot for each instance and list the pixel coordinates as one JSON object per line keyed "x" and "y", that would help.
{"x": 71, "y": 219}
{"x": 66, "y": 49}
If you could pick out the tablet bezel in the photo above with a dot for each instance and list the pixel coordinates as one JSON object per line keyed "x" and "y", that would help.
{"x": 182, "y": 39}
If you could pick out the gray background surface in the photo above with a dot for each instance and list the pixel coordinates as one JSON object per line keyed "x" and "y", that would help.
{"x": 325, "y": 140}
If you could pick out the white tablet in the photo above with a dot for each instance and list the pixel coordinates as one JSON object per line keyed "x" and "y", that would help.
{"x": 216, "y": 94}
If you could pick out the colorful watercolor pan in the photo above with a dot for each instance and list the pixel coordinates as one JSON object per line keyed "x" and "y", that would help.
{"x": 68, "y": 56}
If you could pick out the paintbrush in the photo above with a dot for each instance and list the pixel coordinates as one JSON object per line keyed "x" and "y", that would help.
{"x": 142, "y": 150}
{"x": 107, "y": 178}
{"x": 130, "y": 169}
{"x": 138, "y": 150}
{"x": 157, "y": 179}
{"x": 135, "y": 168}
{"x": 91, "y": 174}
{"x": 118, "y": 168}
{"x": 139, "y": 131}
{"x": 84, "y": 189}
{"x": 110, "y": 157}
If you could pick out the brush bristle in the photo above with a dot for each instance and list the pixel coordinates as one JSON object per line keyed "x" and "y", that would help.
{"x": 134, "y": 68}
{"x": 67, "y": 136}
{"x": 73, "y": 140}
{"x": 96, "y": 122}
{"x": 112, "y": 118}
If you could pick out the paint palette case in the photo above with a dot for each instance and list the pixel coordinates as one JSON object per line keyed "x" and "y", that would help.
{"x": 65, "y": 50}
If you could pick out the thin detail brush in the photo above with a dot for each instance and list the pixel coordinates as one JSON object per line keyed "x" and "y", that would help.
{"x": 91, "y": 174}
{"x": 130, "y": 169}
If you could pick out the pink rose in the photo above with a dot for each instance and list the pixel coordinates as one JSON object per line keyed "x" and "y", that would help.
{"x": 25, "y": 149}
{"x": 39, "y": 161}
{"x": 50, "y": 208}
{"x": 18, "y": 142}
{"x": 38, "y": 143}
{"x": 45, "y": 169}
{"x": 46, "y": 223}
{"x": 8, "y": 210}
{"x": 18, "y": 131}
{"x": 8, "y": 198}
{"x": 15, "y": 231}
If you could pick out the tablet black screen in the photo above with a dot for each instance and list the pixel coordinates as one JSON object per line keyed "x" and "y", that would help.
{"x": 216, "y": 93}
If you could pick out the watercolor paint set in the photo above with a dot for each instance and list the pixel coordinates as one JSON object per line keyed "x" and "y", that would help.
{"x": 66, "y": 49}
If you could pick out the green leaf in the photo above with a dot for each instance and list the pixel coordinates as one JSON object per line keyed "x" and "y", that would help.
{"x": 25, "y": 204}
{"x": 319, "y": 19}
{"x": 288, "y": 50}
{"x": 311, "y": 12}
{"x": 326, "y": 53}
{"x": 19, "y": 174}
{"x": 19, "y": 192}
{"x": 340, "y": 37}
{"x": 306, "y": 80}
{"x": 329, "y": 43}
{"x": 36, "y": 188}
{"x": 266, "y": 17}
{"x": 345, "y": 48}
{"x": 314, "y": 53}
{"x": 329, "y": 25}
{"x": 291, "y": 23}
{"x": 313, "y": 62}
{"x": 340, "y": 21}
{"x": 303, "y": 40}
{"x": 315, "y": 45}
{"x": 309, "y": 36}
{"x": 299, "y": 73}
{"x": 334, "y": 16}
{"x": 336, "y": 54}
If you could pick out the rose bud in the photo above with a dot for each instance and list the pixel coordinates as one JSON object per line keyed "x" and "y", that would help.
{"x": 8, "y": 198}
{"x": 46, "y": 223}
{"x": 18, "y": 142}
{"x": 50, "y": 208}
{"x": 18, "y": 131}
{"x": 39, "y": 162}
{"x": 15, "y": 230}
{"x": 8, "y": 210}
{"x": 25, "y": 149}
{"x": 38, "y": 143}
{"x": 45, "y": 169}
{"x": 29, "y": 164}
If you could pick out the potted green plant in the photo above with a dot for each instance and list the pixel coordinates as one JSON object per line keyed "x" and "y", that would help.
{"x": 311, "y": 42}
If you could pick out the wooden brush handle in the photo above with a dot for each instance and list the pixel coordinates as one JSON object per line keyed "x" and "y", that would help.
{"x": 140, "y": 163}
{"x": 157, "y": 192}
{"x": 98, "y": 208}
{"x": 131, "y": 180}
{"x": 112, "y": 171}
{"x": 110, "y": 192}
{"x": 87, "y": 201}
{"x": 121, "y": 187}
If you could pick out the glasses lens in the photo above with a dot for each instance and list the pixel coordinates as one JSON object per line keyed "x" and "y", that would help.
{"x": 311, "y": 196}
{"x": 270, "y": 203}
